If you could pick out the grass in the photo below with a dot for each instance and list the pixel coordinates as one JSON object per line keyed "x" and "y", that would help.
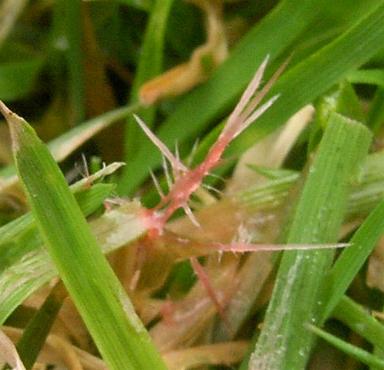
{"x": 120, "y": 269}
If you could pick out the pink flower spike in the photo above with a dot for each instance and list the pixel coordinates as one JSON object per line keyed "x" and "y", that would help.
{"x": 187, "y": 181}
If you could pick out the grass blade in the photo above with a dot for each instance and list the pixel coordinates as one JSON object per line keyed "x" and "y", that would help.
{"x": 37, "y": 330}
{"x": 150, "y": 65}
{"x": 360, "y": 321}
{"x": 352, "y": 259}
{"x": 353, "y": 351}
{"x": 108, "y": 313}
{"x": 69, "y": 11}
{"x": 284, "y": 343}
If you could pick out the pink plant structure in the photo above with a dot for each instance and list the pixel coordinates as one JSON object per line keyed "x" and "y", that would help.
{"x": 187, "y": 181}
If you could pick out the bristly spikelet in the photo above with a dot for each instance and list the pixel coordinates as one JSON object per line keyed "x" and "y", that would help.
{"x": 187, "y": 181}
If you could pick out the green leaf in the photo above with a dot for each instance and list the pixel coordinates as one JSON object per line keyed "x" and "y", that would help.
{"x": 103, "y": 304}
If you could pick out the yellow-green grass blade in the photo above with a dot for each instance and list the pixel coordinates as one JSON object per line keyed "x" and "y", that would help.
{"x": 284, "y": 343}
{"x": 20, "y": 236}
{"x": 367, "y": 76}
{"x": 103, "y": 304}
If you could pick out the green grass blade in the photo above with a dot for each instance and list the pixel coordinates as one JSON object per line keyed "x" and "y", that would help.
{"x": 108, "y": 313}
{"x": 37, "y": 330}
{"x": 69, "y": 11}
{"x": 360, "y": 321}
{"x": 21, "y": 236}
{"x": 150, "y": 65}
{"x": 367, "y": 76}
{"x": 376, "y": 114}
{"x": 352, "y": 259}
{"x": 299, "y": 86}
{"x": 332, "y": 63}
{"x": 353, "y": 351}
{"x": 24, "y": 265}
{"x": 284, "y": 343}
